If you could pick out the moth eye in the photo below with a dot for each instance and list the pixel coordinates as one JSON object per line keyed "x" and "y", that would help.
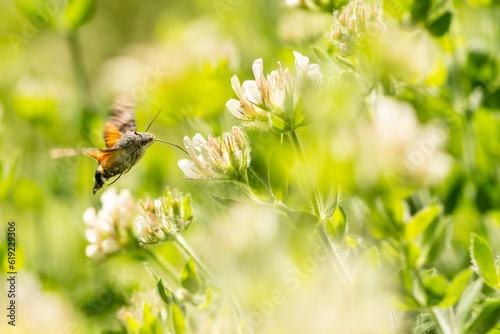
{"x": 143, "y": 142}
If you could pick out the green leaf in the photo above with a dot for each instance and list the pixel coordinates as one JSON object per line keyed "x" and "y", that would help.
{"x": 178, "y": 319}
{"x": 337, "y": 225}
{"x": 187, "y": 211}
{"x": 304, "y": 222}
{"x": 453, "y": 195}
{"x": 435, "y": 289}
{"x": 481, "y": 252}
{"x": 150, "y": 323}
{"x": 226, "y": 201}
{"x": 407, "y": 279}
{"x": 441, "y": 25}
{"x": 189, "y": 277}
{"x": 487, "y": 318}
{"x": 209, "y": 296}
{"x": 327, "y": 189}
{"x": 433, "y": 240}
{"x": 412, "y": 253}
{"x": 493, "y": 100}
{"x": 456, "y": 288}
{"x": 277, "y": 178}
{"x": 257, "y": 186}
{"x": 464, "y": 306}
{"x": 165, "y": 294}
{"x": 279, "y": 125}
{"x": 393, "y": 205}
{"x": 132, "y": 325}
{"x": 481, "y": 68}
{"x": 79, "y": 12}
{"x": 420, "y": 9}
{"x": 421, "y": 221}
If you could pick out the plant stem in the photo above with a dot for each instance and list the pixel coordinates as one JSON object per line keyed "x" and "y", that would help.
{"x": 298, "y": 149}
{"x": 441, "y": 321}
{"x": 167, "y": 267}
{"x": 181, "y": 242}
{"x": 79, "y": 66}
{"x": 329, "y": 244}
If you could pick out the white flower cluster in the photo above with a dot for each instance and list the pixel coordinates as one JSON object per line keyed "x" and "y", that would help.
{"x": 160, "y": 221}
{"x": 109, "y": 230}
{"x": 395, "y": 147}
{"x": 355, "y": 23}
{"x": 219, "y": 159}
{"x": 277, "y": 94}
{"x": 123, "y": 224}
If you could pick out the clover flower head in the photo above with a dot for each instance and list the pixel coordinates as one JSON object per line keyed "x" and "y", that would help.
{"x": 109, "y": 229}
{"x": 225, "y": 158}
{"x": 277, "y": 94}
{"x": 161, "y": 220}
{"x": 394, "y": 147}
{"x": 355, "y": 23}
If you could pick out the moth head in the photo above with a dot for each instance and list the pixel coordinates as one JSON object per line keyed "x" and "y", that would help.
{"x": 145, "y": 138}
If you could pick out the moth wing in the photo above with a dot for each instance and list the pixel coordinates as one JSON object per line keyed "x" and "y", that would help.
{"x": 111, "y": 134}
{"x": 121, "y": 121}
{"x": 64, "y": 152}
{"x": 101, "y": 155}
{"x": 104, "y": 157}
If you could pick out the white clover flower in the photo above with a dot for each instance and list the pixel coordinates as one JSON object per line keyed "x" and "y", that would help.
{"x": 250, "y": 98}
{"x": 170, "y": 214}
{"x": 219, "y": 159}
{"x": 355, "y": 23}
{"x": 395, "y": 147}
{"x": 277, "y": 94}
{"x": 110, "y": 230}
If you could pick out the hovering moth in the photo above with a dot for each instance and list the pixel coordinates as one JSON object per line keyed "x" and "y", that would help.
{"x": 124, "y": 145}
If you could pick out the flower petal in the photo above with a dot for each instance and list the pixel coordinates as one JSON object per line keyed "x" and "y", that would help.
{"x": 93, "y": 252}
{"x": 190, "y": 148}
{"x": 301, "y": 63}
{"x": 235, "y": 83}
{"x": 258, "y": 72}
{"x": 110, "y": 245}
{"x": 89, "y": 216}
{"x": 190, "y": 169}
{"x": 236, "y": 109}
{"x": 315, "y": 75}
{"x": 252, "y": 92}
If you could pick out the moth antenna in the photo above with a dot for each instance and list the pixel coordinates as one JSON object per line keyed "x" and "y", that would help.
{"x": 166, "y": 142}
{"x": 154, "y": 119}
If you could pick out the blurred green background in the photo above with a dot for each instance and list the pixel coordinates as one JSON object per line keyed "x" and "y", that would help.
{"x": 60, "y": 70}
{"x": 61, "y": 65}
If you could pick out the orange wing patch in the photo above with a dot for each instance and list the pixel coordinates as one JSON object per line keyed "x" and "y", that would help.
{"x": 100, "y": 156}
{"x": 111, "y": 135}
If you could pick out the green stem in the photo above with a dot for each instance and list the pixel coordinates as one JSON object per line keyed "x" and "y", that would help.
{"x": 329, "y": 244}
{"x": 79, "y": 67}
{"x": 298, "y": 149}
{"x": 82, "y": 82}
{"x": 441, "y": 321}
{"x": 163, "y": 264}
{"x": 181, "y": 242}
